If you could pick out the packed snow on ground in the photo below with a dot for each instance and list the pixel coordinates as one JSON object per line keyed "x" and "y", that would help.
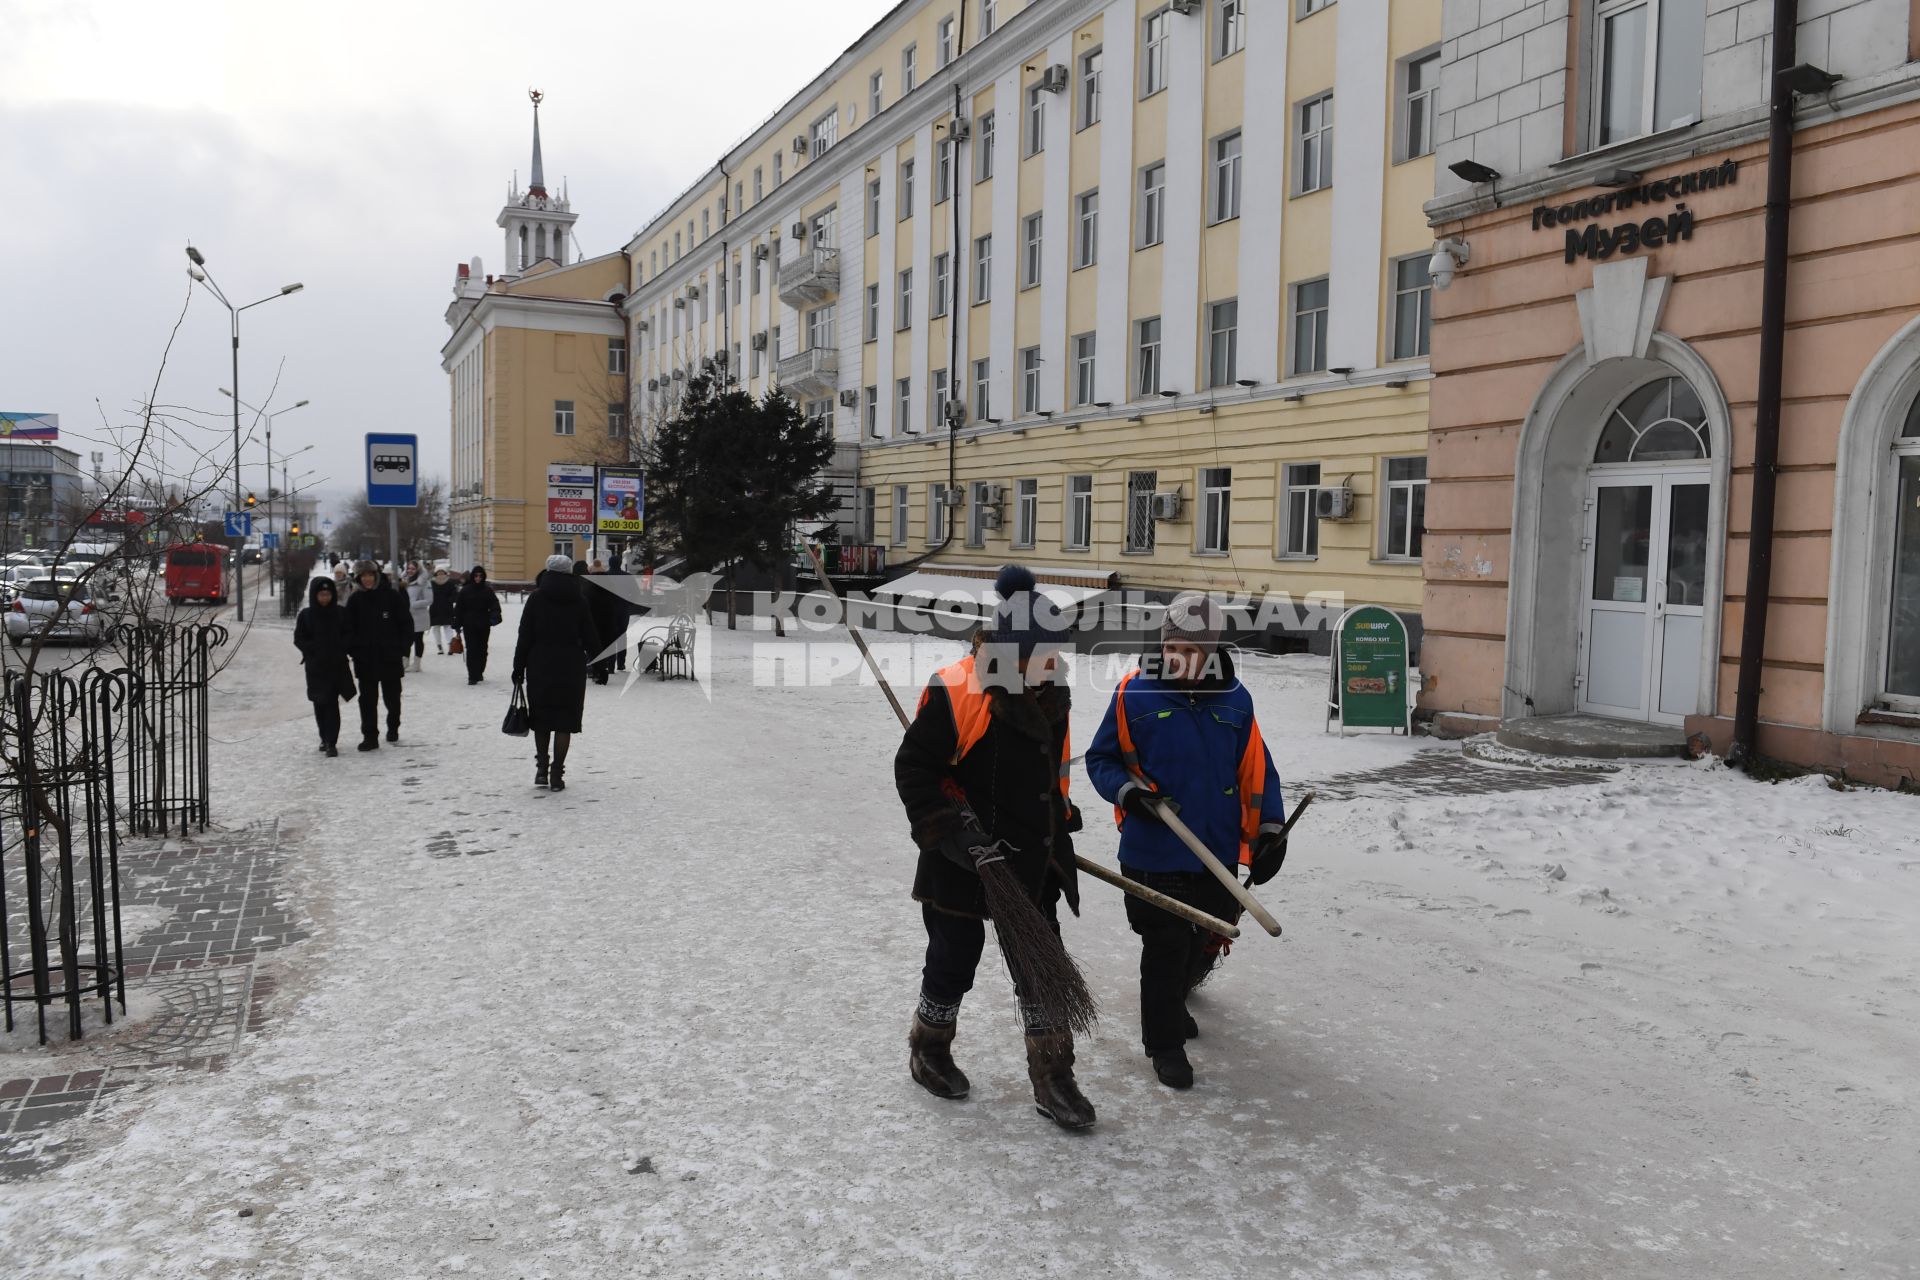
{"x": 1663, "y": 1024}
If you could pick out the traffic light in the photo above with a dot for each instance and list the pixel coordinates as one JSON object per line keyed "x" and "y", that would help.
{"x": 296, "y": 528}
{"x": 251, "y": 500}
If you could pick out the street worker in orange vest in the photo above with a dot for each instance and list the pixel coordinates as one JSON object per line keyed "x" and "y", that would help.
{"x": 982, "y": 772}
{"x": 1180, "y": 733}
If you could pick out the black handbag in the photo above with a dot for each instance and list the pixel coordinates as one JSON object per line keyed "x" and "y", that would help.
{"x": 517, "y": 725}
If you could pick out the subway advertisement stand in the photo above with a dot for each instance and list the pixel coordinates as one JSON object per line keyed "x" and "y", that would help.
{"x": 1368, "y": 685}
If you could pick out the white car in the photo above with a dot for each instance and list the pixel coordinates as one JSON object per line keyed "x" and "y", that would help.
{"x": 59, "y": 609}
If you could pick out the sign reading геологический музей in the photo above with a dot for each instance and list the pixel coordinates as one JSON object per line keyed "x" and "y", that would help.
{"x": 1595, "y": 242}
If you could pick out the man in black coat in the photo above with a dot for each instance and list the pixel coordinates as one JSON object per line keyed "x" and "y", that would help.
{"x": 476, "y": 611}
{"x": 379, "y": 636}
{"x": 982, "y": 775}
{"x": 609, "y": 619}
{"x": 320, "y": 633}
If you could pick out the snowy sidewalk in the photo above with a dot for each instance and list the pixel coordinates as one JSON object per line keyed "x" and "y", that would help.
{"x": 1661, "y": 1023}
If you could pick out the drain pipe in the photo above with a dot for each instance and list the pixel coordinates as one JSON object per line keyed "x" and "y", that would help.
{"x": 1766, "y": 427}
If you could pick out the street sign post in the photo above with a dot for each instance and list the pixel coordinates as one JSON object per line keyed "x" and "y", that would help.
{"x": 269, "y": 542}
{"x": 570, "y": 496}
{"x": 393, "y": 480}
{"x": 1369, "y": 680}
{"x": 239, "y": 524}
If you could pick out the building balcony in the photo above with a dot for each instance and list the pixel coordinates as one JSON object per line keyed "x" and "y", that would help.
{"x": 811, "y": 278}
{"x": 815, "y": 372}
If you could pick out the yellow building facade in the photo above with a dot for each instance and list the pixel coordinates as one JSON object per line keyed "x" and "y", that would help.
{"x": 1096, "y": 286}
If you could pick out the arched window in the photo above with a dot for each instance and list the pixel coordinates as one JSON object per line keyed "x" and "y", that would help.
{"x": 1903, "y": 631}
{"x": 1663, "y": 421}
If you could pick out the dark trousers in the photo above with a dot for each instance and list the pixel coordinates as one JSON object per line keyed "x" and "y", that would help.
{"x": 474, "y": 641}
{"x": 326, "y": 716}
{"x": 1170, "y": 950}
{"x": 954, "y": 947}
{"x": 419, "y": 644}
{"x": 377, "y": 680}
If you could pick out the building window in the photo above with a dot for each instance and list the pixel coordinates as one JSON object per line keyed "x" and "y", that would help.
{"x": 1419, "y": 79}
{"x": 1412, "y": 307}
{"x": 563, "y": 417}
{"x": 983, "y": 148}
{"x": 1079, "y": 513}
{"x": 902, "y": 505}
{"x": 903, "y": 407}
{"x": 1036, "y": 120}
{"x": 1309, "y": 7}
{"x": 989, "y": 17}
{"x": 942, "y": 282}
{"x": 563, "y": 547}
{"x": 904, "y": 318}
{"x": 1140, "y": 488}
{"x": 1029, "y": 379}
{"x": 937, "y": 402}
{"x": 944, "y": 155}
{"x": 706, "y": 223}
{"x": 1901, "y": 687}
{"x": 977, "y": 508}
{"x": 1146, "y": 362}
{"x": 1231, "y": 26}
{"x": 759, "y": 188}
{"x": 1313, "y": 145}
{"x": 1026, "y": 513}
{"x": 1087, "y": 215}
{"x": 1309, "y": 327}
{"x": 824, "y": 132}
{"x": 1090, "y": 88}
{"x": 1083, "y": 369}
{"x": 909, "y": 69}
{"x": 616, "y": 422}
{"x": 943, "y": 43}
{"x": 738, "y": 290}
{"x": 1226, "y": 177}
{"x": 982, "y": 390}
{"x": 982, "y": 269}
{"x": 873, "y": 313}
{"x": 1302, "y": 537}
{"x": 873, "y": 208}
{"x": 779, "y": 163}
{"x": 1153, "y": 53}
{"x": 1153, "y": 204}
{"x": 870, "y": 412}
{"x": 1223, "y": 343}
{"x": 616, "y": 355}
{"x": 756, "y": 275}
{"x": 876, "y": 94}
{"x": 1406, "y": 507}
{"x": 936, "y": 513}
{"x": 863, "y": 517}
{"x": 1649, "y": 58}
{"x": 820, "y": 328}
{"x": 906, "y": 190}
{"x": 1216, "y": 510}
{"x": 1032, "y": 233}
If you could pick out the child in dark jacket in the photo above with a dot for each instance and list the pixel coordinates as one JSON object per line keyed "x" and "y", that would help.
{"x": 320, "y": 633}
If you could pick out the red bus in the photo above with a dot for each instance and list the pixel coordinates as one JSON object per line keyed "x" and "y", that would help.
{"x": 196, "y": 571}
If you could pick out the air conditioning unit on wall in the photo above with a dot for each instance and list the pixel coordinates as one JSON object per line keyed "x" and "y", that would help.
{"x": 849, "y": 399}
{"x": 1167, "y": 506}
{"x": 1054, "y": 79}
{"x": 799, "y": 144}
{"x": 1334, "y": 504}
{"x": 989, "y": 519}
{"x": 798, "y": 230}
{"x": 952, "y": 498}
{"x": 759, "y": 341}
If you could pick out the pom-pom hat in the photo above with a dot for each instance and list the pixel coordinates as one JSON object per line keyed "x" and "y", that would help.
{"x": 1026, "y": 619}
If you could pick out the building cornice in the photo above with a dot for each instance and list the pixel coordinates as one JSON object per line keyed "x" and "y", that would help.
{"x": 497, "y": 310}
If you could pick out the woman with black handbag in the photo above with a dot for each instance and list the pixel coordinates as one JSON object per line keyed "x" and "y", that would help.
{"x": 556, "y": 642}
{"x": 320, "y": 633}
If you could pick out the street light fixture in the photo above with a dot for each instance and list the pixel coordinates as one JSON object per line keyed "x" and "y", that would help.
{"x": 298, "y": 404}
{"x": 202, "y": 276}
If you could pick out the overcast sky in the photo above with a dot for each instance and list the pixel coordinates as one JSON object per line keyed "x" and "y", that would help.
{"x": 360, "y": 147}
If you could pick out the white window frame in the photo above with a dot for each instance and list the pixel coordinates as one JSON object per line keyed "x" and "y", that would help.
{"x": 1086, "y": 366}
{"x": 819, "y": 328}
{"x": 1658, "y": 34}
{"x": 1230, "y": 28}
{"x": 905, "y": 210}
{"x": 1313, "y": 144}
{"x": 1155, "y": 51}
{"x": 1076, "y": 525}
{"x": 977, "y": 505}
{"x": 909, "y": 69}
{"x": 1307, "y": 8}
{"x": 876, "y": 94}
{"x": 945, "y": 153}
{"x": 902, "y": 514}
{"x": 1316, "y": 319}
{"x": 1416, "y": 103}
{"x": 982, "y": 390}
{"x": 1026, "y": 514}
{"x": 1388, "y": 488}
{"x": 1214, "y": 529}
{"x": 873, "y": 208}
{"x": 903, "y": 302}
{"x": 616, "y": 355}
{"x": 943, "y": 50}
{"x": 823, "y": 133}
{"x": 1224, "y": 189}
{"x": 616, "y": 421}
{"x": 1033, "y": 241}
{"x": 903, "y": 406}
{"x": 1086, "y": 210}
{"x": 863, "y": 514}
{"x": 1031, "y": 365}
{"x": 1148, "y": 375}
{"x": 1036, "y": 119}
{"x": 563, "y": 417}
{"x": 1138, "y": 536}
{"x": 1423, "y": 343}
{"x": 870, "y": 411}
{"x": 873, "y": 313}
{"x": 759, "y": 187}
{"x": 1885, "y": 537}
{"x": 942, "y": 284}
{"x": 939, "y": 391}
{"x": 1223, "y": 343}
{"x": 1089, "y": 86}
{"x": 983, "y": 139}
{"x": 983, "y": 269}
{"x": 989, "y": 17}
{"x": 936, "y": 513}
{"x": 1302, "y": 500}
{"x": 1153, "y": 205}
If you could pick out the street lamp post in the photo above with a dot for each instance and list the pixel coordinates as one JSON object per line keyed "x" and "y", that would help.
{"x": 298, "y": 404}
{"x": 199, "y": 272}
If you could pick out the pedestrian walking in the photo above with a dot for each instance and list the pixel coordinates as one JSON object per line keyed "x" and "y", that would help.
{"x": 420, "y": 609}
{"x": 342, "y": 582}
{"x": 982, "y": 774}
{"x": 320, "y": 633}
{"x": 1180, "y": 735}
{"x": 550, "y": 658}
{"x": 609, "y": 619}
{"x": 379, "y": 633}
{"x": 440, "y": 612}
{"x": 477, "y": 612}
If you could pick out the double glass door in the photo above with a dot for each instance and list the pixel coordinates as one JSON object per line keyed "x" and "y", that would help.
{"x": 1643, "y": 608}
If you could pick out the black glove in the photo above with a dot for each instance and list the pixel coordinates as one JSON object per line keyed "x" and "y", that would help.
{"x": 1075, "y": 822}
{"x": 1269, "y": 852}
{"x": 1146, "y": 804}
{"x": 970, "y": 848}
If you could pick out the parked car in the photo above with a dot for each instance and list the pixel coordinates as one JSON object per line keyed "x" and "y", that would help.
{"x": 59, "y": 608}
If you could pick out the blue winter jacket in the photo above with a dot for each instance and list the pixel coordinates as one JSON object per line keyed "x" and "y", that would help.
{"x": 1190, "y": 743}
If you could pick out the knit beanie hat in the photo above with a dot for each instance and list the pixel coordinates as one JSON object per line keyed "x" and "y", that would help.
{"x": 1195, "y": 618}
{"x": 1026, "y": 619}
{"x": 559, "y": 564}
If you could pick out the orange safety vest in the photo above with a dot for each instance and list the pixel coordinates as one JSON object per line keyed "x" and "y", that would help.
{"x": 1252, "y": 771}
{"x": 973, "y": 712}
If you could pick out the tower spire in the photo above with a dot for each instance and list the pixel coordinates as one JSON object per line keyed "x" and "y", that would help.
{"x": 537, "y": 184}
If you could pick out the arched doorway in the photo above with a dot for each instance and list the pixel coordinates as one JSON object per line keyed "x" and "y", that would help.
{"x": 1644, "y": 576}
{"x": 1619, "y": 534}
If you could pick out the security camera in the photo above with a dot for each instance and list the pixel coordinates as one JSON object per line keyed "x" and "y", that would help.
{"x": 1448, "y": 257}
